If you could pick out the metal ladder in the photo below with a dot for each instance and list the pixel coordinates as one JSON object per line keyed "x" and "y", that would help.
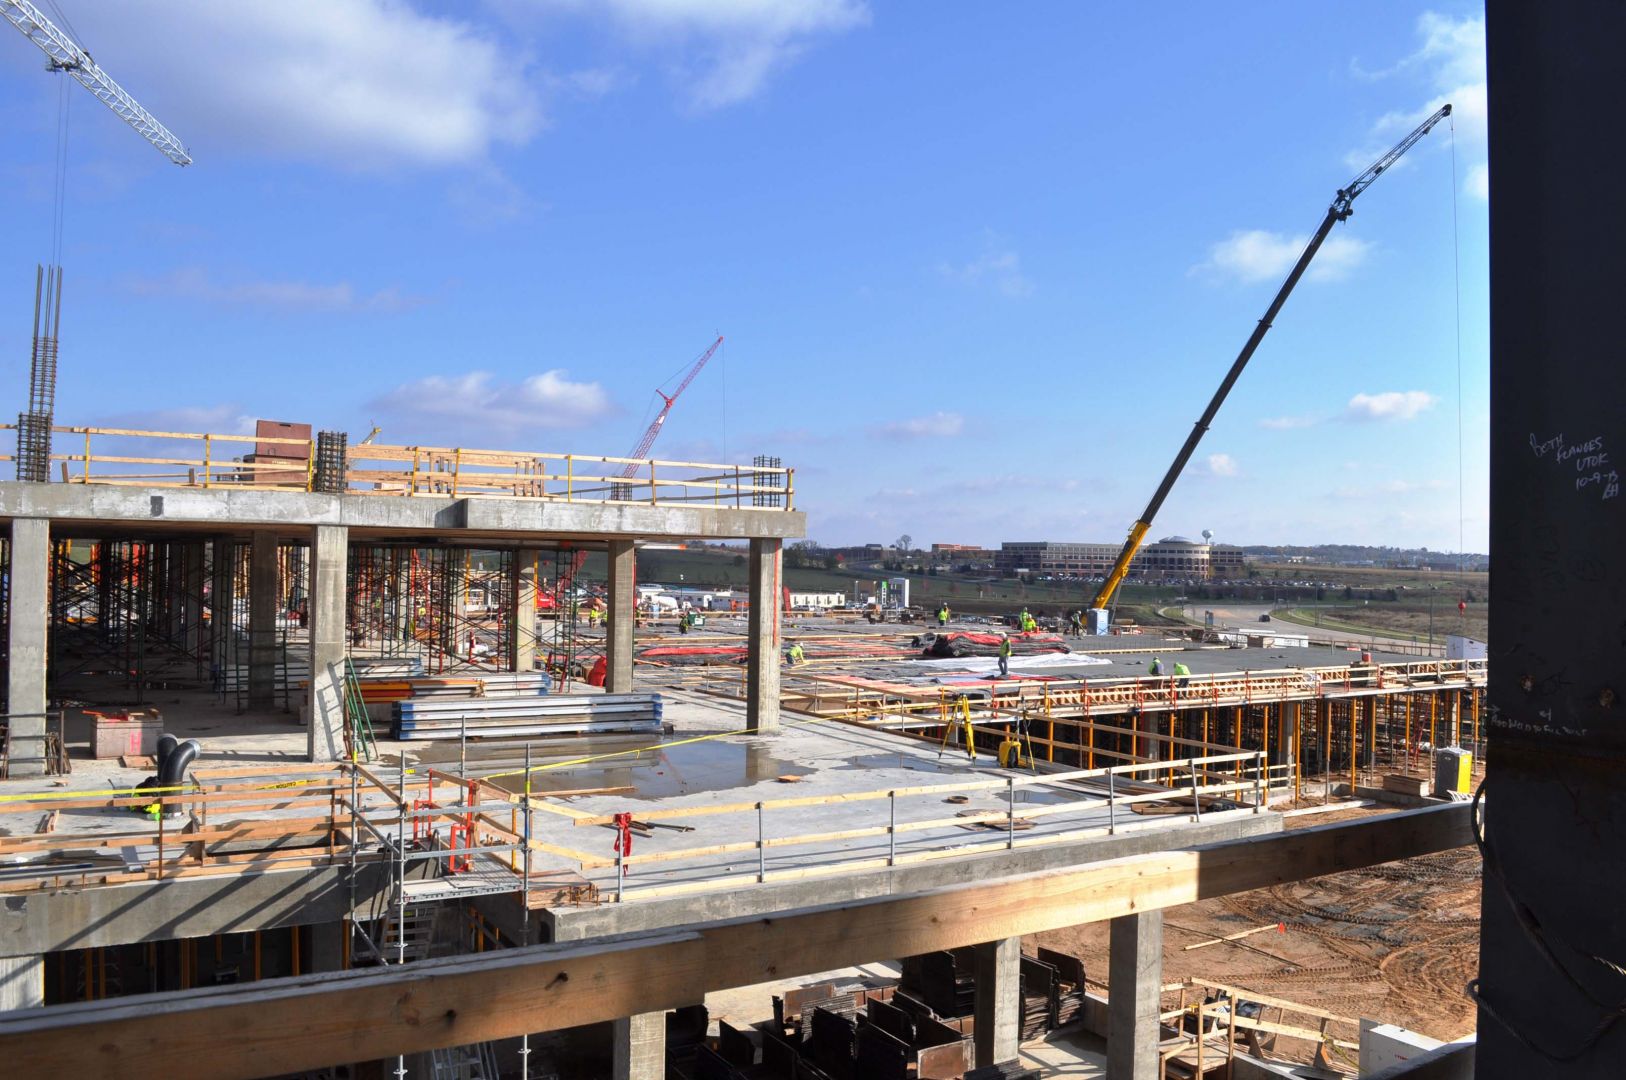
{"x": 477, "y": 1061}
{"x": 358, "y": 731}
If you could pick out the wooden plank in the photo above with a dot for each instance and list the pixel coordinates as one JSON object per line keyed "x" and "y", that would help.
{"x": 309, "y": 1022}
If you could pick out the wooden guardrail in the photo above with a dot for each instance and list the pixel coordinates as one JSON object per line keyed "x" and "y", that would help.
{"x": 135, "y": 458}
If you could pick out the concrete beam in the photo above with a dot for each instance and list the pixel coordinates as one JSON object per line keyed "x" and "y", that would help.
{"x": 295, "y": 511}
{"x": 762, "y": 632}
{"x": 26, "y": 702}
{"x": 638, "y": 1047}
{"x": 522, "y": 615}
{"x": 242, "y": 1030}
{"x": 579, "y": 923}
{"x": 1134, "y": 996}
{"x": 623, "y": 617}
{"x": 22, "y": 982}
{"x": 328, "y": 609}
{"x": 264, "y": 601}
{"x": 998, "y": 1034}
{"x": 51, "y": 920}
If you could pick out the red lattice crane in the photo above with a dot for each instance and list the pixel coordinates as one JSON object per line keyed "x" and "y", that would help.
{"x": 660, "y": 419}
{"x": 648, "y": 440}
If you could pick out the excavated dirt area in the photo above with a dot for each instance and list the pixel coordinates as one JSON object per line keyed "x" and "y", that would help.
{"x": 1396, "y": 943}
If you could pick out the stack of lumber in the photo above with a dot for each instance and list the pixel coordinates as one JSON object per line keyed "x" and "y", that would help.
{"x": 1067, "y": 999}
{"x": 296, "y": 671}
{"x": 1005, "y": 1070}
{"x": 942, "y": 982}
{"x": 529, "y": 717}
{"x": 497, "y": 684}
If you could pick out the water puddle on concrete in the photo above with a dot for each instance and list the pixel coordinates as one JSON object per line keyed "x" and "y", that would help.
{"x": 652, "y": 772}
{"x": 950, "y": 764}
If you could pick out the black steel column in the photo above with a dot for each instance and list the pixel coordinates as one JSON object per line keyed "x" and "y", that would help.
{"x": 1551, "y": 1000}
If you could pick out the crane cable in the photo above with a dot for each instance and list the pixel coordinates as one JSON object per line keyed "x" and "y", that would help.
{"x": 59, "y": 181}
{"x": 1456, "y": 266}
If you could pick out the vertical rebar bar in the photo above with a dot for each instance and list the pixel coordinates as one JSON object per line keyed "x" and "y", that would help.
{"x": 762, "y": 852}
{"x": 892, "y": 828}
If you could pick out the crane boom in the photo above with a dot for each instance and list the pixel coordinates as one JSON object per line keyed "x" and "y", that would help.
{"x": 1342, "y": 206}
{"x": 64, "y": 54}
{"x": 660, "y": 419}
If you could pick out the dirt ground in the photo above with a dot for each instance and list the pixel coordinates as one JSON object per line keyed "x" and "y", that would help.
{"x": 1396, "y": 943}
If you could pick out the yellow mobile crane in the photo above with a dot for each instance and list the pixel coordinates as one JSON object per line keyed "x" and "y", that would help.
{"x": 1342, "y": 206}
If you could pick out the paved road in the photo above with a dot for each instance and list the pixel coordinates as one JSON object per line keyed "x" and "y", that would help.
{"x": 1246, "y": 617}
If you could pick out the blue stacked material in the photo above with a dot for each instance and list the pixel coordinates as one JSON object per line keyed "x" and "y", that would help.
{"x": 528, "y": 717}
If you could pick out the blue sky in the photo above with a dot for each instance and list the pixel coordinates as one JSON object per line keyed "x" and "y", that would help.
{"x": 978, "y": 266}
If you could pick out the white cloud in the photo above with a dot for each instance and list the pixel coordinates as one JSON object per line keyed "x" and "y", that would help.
{"x": 360, "y": 84}
{"x": 227, "y": 419}
{"x": 1286, "y": 423}
{"x": 1387, "y": 488}
{"x": 1450, "y": 62}
{"x": 999, "y": 269}
{"x": 1252, "y": 255}
{"x": 1390, "y": 405}
{"x": 196, "y": 284}
{"x": 1221, "y": 465}
{"x": 937, "y": 425}
{"x": 1477, "y": 183}
{"x": 723, "y": 52}
{"x": 475, "y": 401}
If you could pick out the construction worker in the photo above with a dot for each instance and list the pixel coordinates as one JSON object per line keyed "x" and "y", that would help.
{"x": 1181, "y": 673}
{"x": 943, "y": 615}
{"x": 1077, "y": 621}
{"x": 683, "y": 621}
{"x": 1156, "y": 667}
{"x": 1004, "y": 656}
{"x": 796, "y": 655}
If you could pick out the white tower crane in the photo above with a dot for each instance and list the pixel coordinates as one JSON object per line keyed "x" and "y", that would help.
{"x": 64, "y": 54}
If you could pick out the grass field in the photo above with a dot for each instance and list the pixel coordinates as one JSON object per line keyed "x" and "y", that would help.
{"x": 1406, "y": 615}
{"x": 1406, "y": 618}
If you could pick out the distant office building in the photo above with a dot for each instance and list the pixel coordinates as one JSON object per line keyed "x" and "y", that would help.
{"x": 1170, "y": 557}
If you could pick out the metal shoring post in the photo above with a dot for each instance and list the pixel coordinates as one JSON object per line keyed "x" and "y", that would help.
{"x": 1196, "y": 800}
{"x": 463, "y": 746}
{"x": 1258, "y": 781}
{"x": 762, "y": 852}
{"x": 400, "y": 884}
{"x": 1112, "y": 817}
{"x": 350, "y": 915}
{"x": 620, "y": 871}
{"x": 1010, "y": 813}
{"x": 525, "y": 905}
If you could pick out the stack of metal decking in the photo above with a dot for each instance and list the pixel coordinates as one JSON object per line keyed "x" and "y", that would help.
{"x": 527, "y": 716}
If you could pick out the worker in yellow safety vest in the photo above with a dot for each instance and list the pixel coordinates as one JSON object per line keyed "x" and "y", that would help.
{"x": 796, "y": 656}
{"x": 1004, "y": 656}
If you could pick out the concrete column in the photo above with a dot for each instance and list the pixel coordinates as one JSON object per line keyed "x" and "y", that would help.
{"x": 639, "y": 1047}
{"x": 522, "y": 616}
{"x": 22, "y": 982}
{"x": 264, "y": 599}
{"x": 327, "y": 946}
{"x": 762, "y": 658}
{"x": 1134, "y": 997}
{"x": 623, "y": 600}
{"x": 325, "y": 701}
{"x": 998, "y": 1035}
{"x": 25, "y": 689}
